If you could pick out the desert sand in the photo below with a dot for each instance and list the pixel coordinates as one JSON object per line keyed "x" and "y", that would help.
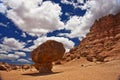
{"x": 74, "y": 70}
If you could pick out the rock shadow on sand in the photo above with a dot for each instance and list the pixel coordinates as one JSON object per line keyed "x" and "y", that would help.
{"x": 41, "y": 74}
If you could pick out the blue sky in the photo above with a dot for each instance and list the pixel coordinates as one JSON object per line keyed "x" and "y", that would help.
{"x": 26, "y": 24}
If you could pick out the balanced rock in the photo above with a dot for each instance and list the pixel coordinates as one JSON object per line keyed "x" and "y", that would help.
{"x": 46, "y": 53}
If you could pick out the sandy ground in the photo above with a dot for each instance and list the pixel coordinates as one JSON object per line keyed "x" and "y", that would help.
{"x": 75, "y": 70}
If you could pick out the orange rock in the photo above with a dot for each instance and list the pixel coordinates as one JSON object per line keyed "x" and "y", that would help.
{"x": 46, "y": 53}
{"x": 102, "y": 41}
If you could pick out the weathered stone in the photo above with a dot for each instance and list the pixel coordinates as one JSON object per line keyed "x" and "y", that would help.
{"x": 46, "y": 53}
{"x": 5, "y": 67}
{"x": 26, "y": 67}
{"x": 102, "y": 40}
{"x": 89, "y": 58}
{"x": 58, "y": 62}
{"x": 44, "y": 67}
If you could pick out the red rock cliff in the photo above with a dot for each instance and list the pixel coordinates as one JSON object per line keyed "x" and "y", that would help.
{"x": 101, "y": 43}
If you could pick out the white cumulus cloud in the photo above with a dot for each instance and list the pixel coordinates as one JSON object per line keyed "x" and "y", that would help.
{"x": 80, "y": 25}
{"x": 3, "y": 8}
{"x": 9, "y": 56}
{"x": 12, "y": 43}
{"x": 9, "y": 44}
{"x": 68, "y": 44}
{"x": 12, "y": 56}
{"x": 20, "y": 54}
{"x": 32, "y": 18}
{"x": 23, "y": 61}
{"x": 73, "y": 2}
{"x": 3, "y": 56}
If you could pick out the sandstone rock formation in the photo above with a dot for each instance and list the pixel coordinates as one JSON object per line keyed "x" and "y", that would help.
{"x": 8, "y": 67}
{"x": 102, "y": 43}
{"x": 16, "y": 67}
{"x": 5, "y": 66}
{"x": 46, "y": 53}
{"x": 72, "y": 54}
{"x": 26, "y": 67}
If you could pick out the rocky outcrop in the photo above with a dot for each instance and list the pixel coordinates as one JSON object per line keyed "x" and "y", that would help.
{"x": 5, "y": 66}
{"x": 26, "y": 67}
{"x": 102, "y": 43}
{"x": 73, "y": 54}
{"x": 46, "y": 53}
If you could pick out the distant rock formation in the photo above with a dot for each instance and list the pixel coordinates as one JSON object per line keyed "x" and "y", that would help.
{"x": 26, "y": 67}
{"x": 102, "y": 43}
{"x": 46, "y": 53}
{"x": 5, "y": 66}
{"x": 9, "y": 67}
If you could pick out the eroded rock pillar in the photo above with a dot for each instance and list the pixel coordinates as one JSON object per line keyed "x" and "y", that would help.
{"x": 44, "y": 67}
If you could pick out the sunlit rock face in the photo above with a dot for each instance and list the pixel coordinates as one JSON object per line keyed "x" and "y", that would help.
{"x": 102, "y": 43}
{"x": 46, "y": 53}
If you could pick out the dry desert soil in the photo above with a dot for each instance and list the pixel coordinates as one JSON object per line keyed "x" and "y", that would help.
{"x": 74, "y": 70}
